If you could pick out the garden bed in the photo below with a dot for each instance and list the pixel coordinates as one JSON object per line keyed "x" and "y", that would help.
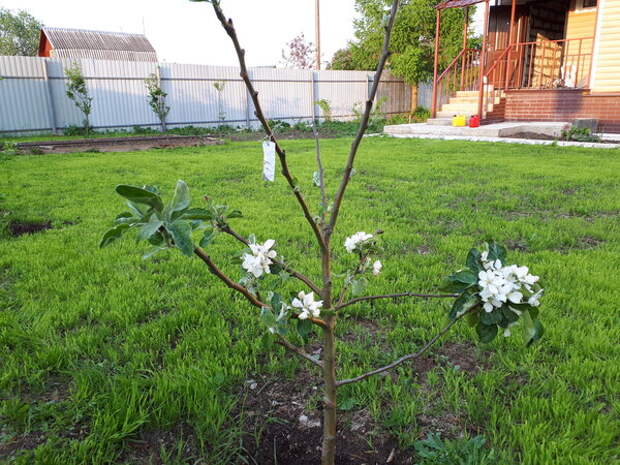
{"x": 114, "y": 144}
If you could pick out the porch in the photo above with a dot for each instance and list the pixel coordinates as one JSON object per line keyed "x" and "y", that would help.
{"x": 530, "y": 45}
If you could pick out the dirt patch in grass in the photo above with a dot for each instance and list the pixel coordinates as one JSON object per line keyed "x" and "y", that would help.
{"x": 146, "y": 447}
{"x": 19, "y": 228}
{"x": 21, "y": 442}
{"x": 114, "y": 144}
{"x": 283, "y": 417}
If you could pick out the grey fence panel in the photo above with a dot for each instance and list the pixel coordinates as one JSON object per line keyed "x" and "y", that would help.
{"x": 285, "y": 94}
{"x": 33, "y": 94}
{"x": 343, "y": 90}
{"x": 194, "y": 99}
{"x": 24, "y": 96}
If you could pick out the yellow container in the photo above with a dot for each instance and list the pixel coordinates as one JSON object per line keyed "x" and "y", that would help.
{"x": 459, "y": 121}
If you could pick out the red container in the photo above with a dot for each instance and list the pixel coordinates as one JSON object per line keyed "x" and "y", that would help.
{"x": 474, "y": 121}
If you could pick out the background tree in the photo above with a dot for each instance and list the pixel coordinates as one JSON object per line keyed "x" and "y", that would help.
{"x": 78, "y": 93}
{"x": 299, "y": 53}
{"x": 157, "y": 99}
{"x": 19, "y": 33}
{"x": 412, "y": 42}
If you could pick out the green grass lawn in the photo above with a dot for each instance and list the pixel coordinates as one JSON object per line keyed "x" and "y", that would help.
{"x": 99, "y": 349}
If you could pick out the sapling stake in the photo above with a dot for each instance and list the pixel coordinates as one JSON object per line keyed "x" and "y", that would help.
{"x": 487, "y": 293}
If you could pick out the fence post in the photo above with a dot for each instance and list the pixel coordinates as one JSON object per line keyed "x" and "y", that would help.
{"x": 313, "y": 96}
{"x": 248, "y": 103}
{"x": 50, "y": 98}
{"x": 164, "y": 127}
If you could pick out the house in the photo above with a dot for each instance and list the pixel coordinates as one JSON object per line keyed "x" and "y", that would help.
{"x": 78, "y": 43}
{"x": 540, "y": 60}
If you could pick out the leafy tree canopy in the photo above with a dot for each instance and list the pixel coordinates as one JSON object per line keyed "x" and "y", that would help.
{"x": 413, "y": 38}
{"x": 19, "y": 33}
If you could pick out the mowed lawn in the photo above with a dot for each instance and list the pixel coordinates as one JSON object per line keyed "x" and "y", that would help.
{"x": 99, "y": 347}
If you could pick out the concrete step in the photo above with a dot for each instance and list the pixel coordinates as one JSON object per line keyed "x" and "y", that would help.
{"x": 459, "y": 107}
{"x": 439, "y": 121}
{"x": 470, "y": 100}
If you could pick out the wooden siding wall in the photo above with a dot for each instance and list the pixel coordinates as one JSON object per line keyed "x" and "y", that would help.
{"x": 607, "y": 57}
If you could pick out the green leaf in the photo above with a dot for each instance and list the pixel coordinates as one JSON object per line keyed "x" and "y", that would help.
{"x": 473, "y": 261}
{"x": 276, "y": 302}
{"x": 267, "y": 317}
{"x": 532, "y": 329}
{"x": 304, "y": 328}
{"x": 491, "y": 318}
{"x": 197, "y": 214}
{"x": 157, "y": 239}
{"x": 486, "y": 333}
{"x": 208, "y": 238}
{"x": 126, "y": 217}
{"x": 181, "y": 198}
{"x": 140, "y": 196}
{"x": 113, "y": 234}
{"x": 473, "y": 318}
{"x": 181, "y": 232}
{"x": 465, "y": 277}
{"x": 150, "y": 228}
{"x": 497, "y": 252}
{"x": 153, "y": 251}
{"x": 464, "y": 303}
{"x": 234, "y": 214}
{"x": 459, "y": 281}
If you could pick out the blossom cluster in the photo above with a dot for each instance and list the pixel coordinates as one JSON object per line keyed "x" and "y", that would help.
{"x": 307, "y": 306}
{"x": 501, "y": 284}
{"x": 257, "y": 263}
{"x": 354, "y": 242}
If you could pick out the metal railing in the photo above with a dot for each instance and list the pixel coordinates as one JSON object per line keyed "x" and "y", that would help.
{"x": 542, "y": 64}
{"x": 461, "y": 74}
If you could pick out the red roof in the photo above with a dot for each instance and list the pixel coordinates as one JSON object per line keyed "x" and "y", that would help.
{"x": 456, "y": 3}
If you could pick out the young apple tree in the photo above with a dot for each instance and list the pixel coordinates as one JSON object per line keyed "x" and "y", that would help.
{"x": 491, "y": 295}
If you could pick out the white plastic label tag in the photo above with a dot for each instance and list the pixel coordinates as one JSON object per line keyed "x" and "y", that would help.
{"x": 269, "y": 161}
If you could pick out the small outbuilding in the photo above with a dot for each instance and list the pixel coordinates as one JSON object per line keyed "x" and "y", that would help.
{"x": 58, "y": 42}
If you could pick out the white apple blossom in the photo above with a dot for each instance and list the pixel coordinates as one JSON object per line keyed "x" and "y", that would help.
{"x": 502, "y": 284}
{"x": 307, "y": 305}
{"x": 351, "y": 243}
{"x": 376, "y": 267}
{"x": 257, "y": 263}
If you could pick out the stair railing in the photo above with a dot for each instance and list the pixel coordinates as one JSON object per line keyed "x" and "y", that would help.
{"x": 493, "y": 75}
{"x": 460, "y": 74}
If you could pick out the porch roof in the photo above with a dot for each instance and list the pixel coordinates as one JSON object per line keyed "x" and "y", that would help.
{"x": 456, "y": 3}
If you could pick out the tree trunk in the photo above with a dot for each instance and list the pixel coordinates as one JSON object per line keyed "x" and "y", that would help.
{"x": 328, "y": 450}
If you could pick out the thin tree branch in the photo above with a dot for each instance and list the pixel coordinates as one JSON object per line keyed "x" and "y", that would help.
{"x": 230, "y": 30}
{"x": 395, "y": 296}
{"x": 229, "y": 282}
{"x": 364, "y": 121}
{"x": 299, "y": 351}
{"x": 319, "y": 164}
{"x": 303, "y": 278}
{"x": 403, "y": 359}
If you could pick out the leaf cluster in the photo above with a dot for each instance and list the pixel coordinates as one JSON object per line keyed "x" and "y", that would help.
{"x": 488, "y": 324}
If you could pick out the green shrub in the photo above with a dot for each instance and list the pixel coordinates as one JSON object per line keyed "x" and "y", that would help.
{"x": 435, "y": 451}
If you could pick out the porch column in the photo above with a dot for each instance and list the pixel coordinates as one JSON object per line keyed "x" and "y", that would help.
{"x": 511, "y": 41}
{"x": 436, "y": 64}
{"x": 483, "y": 56}
{"x": 464, "y": 60}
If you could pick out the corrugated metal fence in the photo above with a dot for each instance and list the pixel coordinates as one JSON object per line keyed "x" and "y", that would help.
{"x": 32, "y": 94}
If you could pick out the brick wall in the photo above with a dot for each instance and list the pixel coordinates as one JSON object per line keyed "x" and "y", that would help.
{"x": 563, "y": 105}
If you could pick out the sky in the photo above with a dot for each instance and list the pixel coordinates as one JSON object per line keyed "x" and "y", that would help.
{"x": 186, "y": 32}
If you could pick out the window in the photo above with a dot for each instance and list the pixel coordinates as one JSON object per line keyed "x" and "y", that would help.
{"x": 588, "y": 3}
